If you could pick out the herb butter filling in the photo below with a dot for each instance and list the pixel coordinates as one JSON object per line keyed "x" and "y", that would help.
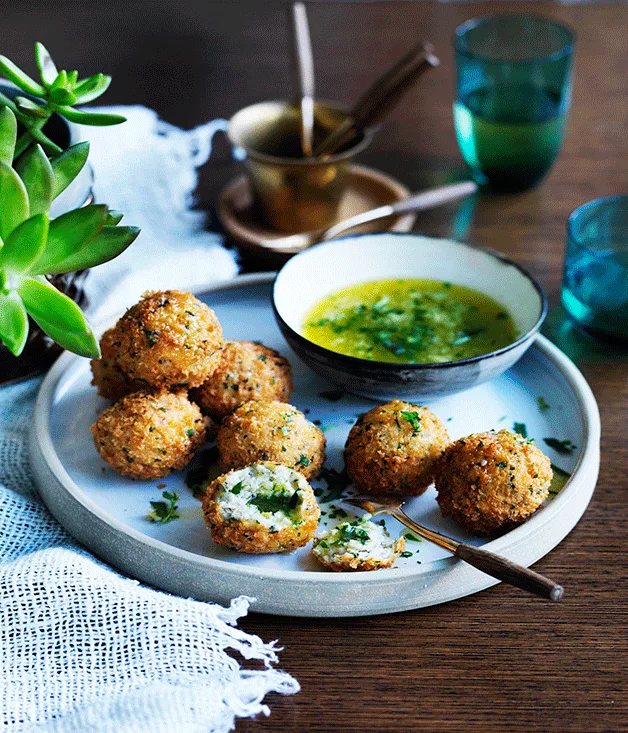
{"x": 270, "y": 496}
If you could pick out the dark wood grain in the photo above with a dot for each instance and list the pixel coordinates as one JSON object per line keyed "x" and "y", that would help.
{"x": 501, "y": 660}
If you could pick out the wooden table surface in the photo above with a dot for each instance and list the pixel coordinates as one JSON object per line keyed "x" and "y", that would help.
{"x": 500, "y": 660}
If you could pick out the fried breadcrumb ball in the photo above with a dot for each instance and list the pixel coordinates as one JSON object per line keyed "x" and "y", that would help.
{"x": 265, "y": 507}
{"x": 169, "y": 339}
{"x": 149, "y": 435}
{"x": 271, "y": 431}
{"x": 358, "y": 545}
{"x": 108, "y": 377}
{"x": 492, "y": 481}
{"x": 394, "y": 449}
{"x": 246, "y": 371}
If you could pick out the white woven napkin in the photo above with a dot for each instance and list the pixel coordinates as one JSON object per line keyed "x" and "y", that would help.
{"x": 82, "y": 648}
{"x": 146, "y": 168}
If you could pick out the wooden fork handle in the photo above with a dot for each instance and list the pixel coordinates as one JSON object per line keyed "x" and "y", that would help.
{"x": 509, "y": 572}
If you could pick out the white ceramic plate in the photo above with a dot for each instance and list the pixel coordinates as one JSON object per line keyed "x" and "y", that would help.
{"x": 107, "y": 512}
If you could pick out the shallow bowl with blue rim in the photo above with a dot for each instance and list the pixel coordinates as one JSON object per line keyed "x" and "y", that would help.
{"x": 326, "y": 268}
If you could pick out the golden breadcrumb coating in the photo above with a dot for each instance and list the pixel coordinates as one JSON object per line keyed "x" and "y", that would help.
{"x": 492, "y": 481}
{"x": 149, "y": 435}
{"x": 393, "y": 449}
{"x": 108, "y": 377}
{"x": 246, "y": 371}
{"x": 169, "y": 339}
{"x": 243, "y": 528}
{"x": 271, "y": 431}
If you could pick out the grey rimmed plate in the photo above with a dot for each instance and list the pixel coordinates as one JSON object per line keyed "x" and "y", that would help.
{"x": 107, "y": 512}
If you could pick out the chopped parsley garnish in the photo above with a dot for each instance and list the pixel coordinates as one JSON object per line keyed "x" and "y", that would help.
{"x": 303, "y": 460}
{"x": 412, "y": 537}
{"x": 163, "y": 512}
{"x": 190, "y": 432}
{"x": 502, "y": 464}
{"x": 414, "y": 420}
{"x": 566, "y": 447}
{"x": 520, "y": 427}
{"x": 407, "y": 553}
{"x": 262, "y": 357}
{"x": 237, "y": 488}
{"x": 543, "y": 405}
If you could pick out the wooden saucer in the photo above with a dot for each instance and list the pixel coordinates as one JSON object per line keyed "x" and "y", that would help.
{"x": 367, "y": 188}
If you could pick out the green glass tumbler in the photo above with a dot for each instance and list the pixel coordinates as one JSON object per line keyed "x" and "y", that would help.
{"x": 595, "y": 280}
{"x": 513, "y": 97}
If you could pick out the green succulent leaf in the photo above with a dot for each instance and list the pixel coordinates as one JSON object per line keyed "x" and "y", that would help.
{"x": 92, "y": 88}
{"x": 13, "y": 201}
{"x": 114, "y": 217}
{"x": 61, "y": 81}
{"x": 67, "y": 166}
{"x": 13, "y": 323}
{"x": 25, "y": 244}
{"x": 45, "y": 64}
{"x": 105, "y": 246}
{"x": 69, "y": 234}
{"x": 98, "y": 119}
{"x": 62, "y": 96}
{"x": 59, "y": 317}
{"x": 8, "y": 135}
{"x": 36, "y": 172}
{"x": 31, "y": 109}
{"x": 20, "y": 78}
{"x": 46, "y": 143}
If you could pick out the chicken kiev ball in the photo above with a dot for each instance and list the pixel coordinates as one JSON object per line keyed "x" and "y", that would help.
{"x": 265, "y": 507}
{"x": 358, "y": 545}
{"x": 149, "y": 435}
{"x": 271, "y": 431}
{"x": 491, "y": 481}
{"x": 169, "y": 339}
{"x": 111, "y": 381}
{"x": 246, "y": 371}
{"x": 394, "y": 449}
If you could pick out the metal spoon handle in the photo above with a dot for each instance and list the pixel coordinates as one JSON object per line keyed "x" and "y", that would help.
{"x": 417, "y": 202}
{"x": 304, "y": 67}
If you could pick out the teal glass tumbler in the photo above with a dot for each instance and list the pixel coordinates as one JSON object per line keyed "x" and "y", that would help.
{"x": 595, "y": 280}
{"x": 514, "y": 79}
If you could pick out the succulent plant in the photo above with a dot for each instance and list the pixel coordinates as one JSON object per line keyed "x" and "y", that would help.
{"x": 33, "y": 246}
{"x": 57, "y": 91}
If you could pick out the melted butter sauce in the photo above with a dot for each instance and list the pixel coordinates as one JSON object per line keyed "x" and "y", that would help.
{"x": 409, "y": 321}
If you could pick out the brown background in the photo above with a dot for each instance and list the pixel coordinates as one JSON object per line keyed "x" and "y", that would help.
{"x": 498, "y": 661}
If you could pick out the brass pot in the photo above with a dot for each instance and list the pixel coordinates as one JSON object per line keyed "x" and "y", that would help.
{"x": 294, "y": 194}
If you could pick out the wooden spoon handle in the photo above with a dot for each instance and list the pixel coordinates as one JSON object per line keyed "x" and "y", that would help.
{"x": 509, "y": 572}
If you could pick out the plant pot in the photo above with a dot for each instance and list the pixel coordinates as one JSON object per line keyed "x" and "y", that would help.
{"x": 40, "y": 351}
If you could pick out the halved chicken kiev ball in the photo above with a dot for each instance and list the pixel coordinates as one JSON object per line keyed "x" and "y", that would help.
{"x": 262, "y": 508}
{"x": 357, "y": 545}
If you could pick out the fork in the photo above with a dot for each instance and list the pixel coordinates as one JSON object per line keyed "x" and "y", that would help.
{"x": 488, "y": 562}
